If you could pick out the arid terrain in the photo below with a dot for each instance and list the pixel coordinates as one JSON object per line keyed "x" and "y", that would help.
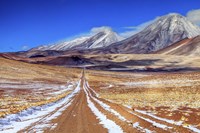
{"x": 172, "y": 96}
{"x": 74, "y": 66}
{"x": 119, "y": 62}
{"x": 24, "y": 85}
{"x": 56, "y": 99}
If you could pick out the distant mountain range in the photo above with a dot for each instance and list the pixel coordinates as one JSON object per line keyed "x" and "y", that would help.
{"x": 162, "y": 33}
{"x": 99, "y": 40}
{"x": 171, "y": 34}
{"x": 165, "y": 31}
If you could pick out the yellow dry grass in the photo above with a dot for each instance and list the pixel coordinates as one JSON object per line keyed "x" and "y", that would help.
{"x": 10, "y": 69}
{"x": 160, "y": 60}
{"x": 12, "y": 105}
{"x": 12, "y": 100}
{"x": 148, "y": 89}
{"x": 134, "y": 89}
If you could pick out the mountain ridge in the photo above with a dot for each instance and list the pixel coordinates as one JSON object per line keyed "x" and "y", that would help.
{"x": 165, "y": 31}
{"x": 98, "y": 40}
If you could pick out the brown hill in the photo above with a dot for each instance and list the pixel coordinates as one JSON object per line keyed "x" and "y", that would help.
{"x": 186, "y": 47}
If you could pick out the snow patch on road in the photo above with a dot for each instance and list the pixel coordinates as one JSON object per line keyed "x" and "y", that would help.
{"x": 193, "y": 128}
{"x": 106, "y": 107}
{"x": 137, "y": 125}
{"x": 152, "y": 122}
{"x": 87, "y": 85}
{"x": 159, "y": 118}
{"x": 40, "y": 115}
{"x": 109, "y": 124}
{"x": 178, "y": 123}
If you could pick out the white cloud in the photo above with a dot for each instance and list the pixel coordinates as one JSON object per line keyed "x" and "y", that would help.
{"x": 25, "y": 47}
{"x": 194, "y": 16}
{"x": 131, "y": 30}
{"x": 92, "y": 32}
{"x": 128, "y": 31}
{"x": 100, "y": 29}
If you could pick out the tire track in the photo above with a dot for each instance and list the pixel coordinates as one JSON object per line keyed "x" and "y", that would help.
{"x": 156, "y": 123}
{"x": 126, "y": 124}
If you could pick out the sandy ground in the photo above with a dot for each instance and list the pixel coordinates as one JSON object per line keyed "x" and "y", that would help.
{"x": 24, "y": 85}
{"x": 174, "y": 96}
{"x": 88, "y": 112}
{"x": 110, "y": 102}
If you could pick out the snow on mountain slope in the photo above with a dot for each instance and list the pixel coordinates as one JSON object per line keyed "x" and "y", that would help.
{"x": 63, "y": 45}
{"x": 101, "y": 39}
{"x": 186, "y": 47}
{"x": 107, "y": 38}
{"x": 165, "y": 31}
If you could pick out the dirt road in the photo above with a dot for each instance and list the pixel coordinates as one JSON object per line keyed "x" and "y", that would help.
{"x": 83, "y": 111}
{"x": 89, "y": 113}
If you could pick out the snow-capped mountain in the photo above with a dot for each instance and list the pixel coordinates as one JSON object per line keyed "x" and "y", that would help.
{"x": 63, "y": 45}
{"x": 101, "y": 39}
{"x": 163, "y": 32}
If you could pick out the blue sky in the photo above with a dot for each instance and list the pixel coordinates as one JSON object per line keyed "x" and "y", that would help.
{"x": 28, "y": 23}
